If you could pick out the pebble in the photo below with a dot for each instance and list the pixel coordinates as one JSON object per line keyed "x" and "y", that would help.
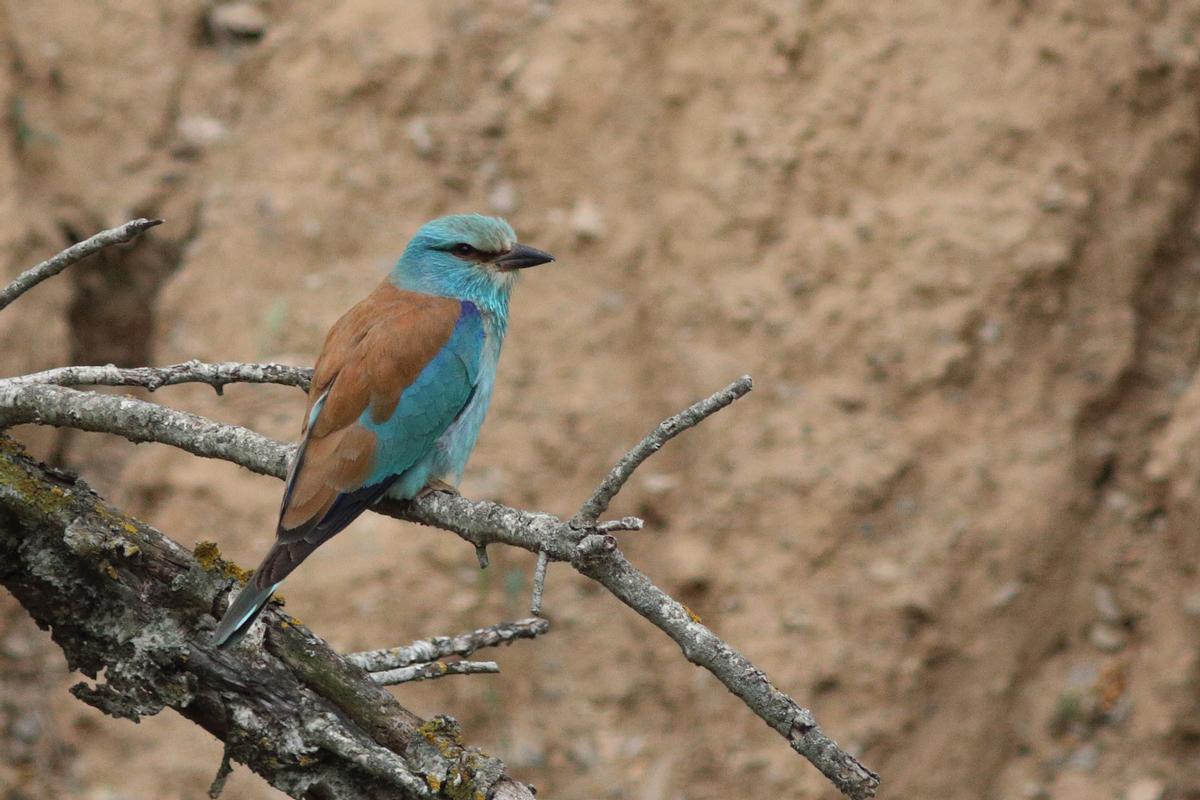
{"x": 884, "y": 571}
{"x": 1191, "y": 604}
{"x": 1004, "y": 596}
{"x": 17, "y": 646}
{"x": 238, "y": 21}
{"x": 503, "y": 198}
{"x": 421, "y": 137}
{"x": 1106, "y": 605}
{"x": 659, "y": 482}
{"x": 587, "y": 221}
{"x": 1146, "y": 789}
{"x": 199, "y": 131}
{"x": 1107, "y": 638}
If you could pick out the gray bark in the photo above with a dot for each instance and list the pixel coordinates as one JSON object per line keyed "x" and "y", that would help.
{"x": 124, "y": 601}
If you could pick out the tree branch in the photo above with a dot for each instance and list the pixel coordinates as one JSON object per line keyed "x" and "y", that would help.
{"x": 139, "y": 421}
{"x": 216, "y": 375}
{"x": 424, "y": 651}
{"x": 124, "y": 601}
{"x": 73, "y": 254}
{"x": 436, "y": 669}
{"x": 578, "y": 542}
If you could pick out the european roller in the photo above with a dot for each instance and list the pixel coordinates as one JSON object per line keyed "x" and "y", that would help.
{"x": 399, "y": 392}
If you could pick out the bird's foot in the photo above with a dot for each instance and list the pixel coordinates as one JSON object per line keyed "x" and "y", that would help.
{"x": 436, "y": 485}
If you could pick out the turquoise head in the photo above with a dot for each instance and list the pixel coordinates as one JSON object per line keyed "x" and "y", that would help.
{"x": 468, "y": 257}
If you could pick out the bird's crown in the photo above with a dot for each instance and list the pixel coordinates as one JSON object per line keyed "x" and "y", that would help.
{"x": 489, "y": 235}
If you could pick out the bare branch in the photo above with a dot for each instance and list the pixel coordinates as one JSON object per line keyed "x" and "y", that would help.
{"x": 216, "y": 375}
{"x": 75, "y": 253}
{"x": 592, "y": 553}
{"x": 436, "y": 669}
{"x": 539, "y": 583}
{"x": 139, "y": 421}
{"x": 622, "y": 524}
{"x": 667, "y": 430}
{"x": 223, "y": 772}
{"x": 438, "y": 647}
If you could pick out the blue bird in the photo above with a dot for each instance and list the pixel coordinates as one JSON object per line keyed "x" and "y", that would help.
{"x": 399, "y": 392}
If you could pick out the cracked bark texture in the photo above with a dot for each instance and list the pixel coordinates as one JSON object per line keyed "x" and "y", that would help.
{"x": 133, "y": 611}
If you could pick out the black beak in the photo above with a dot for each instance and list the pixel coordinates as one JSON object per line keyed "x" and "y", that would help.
{"x": 521, "y": 257}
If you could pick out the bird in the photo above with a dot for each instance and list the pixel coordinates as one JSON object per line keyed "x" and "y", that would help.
{"x": 399, "y": 393}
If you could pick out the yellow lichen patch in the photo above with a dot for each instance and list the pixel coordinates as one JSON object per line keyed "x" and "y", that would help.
{"x": 46, "y": 499}
{"x": 692, "y": 615}
{"x": 208, "y": 556}
{"x": 130, "y": 550}
{"x": 435, "y": 785}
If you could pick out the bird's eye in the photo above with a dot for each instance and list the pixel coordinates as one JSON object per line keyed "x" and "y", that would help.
{"x": 463, "y": 249}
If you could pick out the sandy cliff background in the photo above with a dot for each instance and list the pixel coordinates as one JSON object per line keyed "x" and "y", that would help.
{"x": 956, "y": 244}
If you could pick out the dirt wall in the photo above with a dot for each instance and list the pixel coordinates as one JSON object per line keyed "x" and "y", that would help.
{"x": 956, "y": 244}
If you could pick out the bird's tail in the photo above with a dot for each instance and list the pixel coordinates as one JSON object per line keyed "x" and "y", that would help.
{"x": 242, "y": 612}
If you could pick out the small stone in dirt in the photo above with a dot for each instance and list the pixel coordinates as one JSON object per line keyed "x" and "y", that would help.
{"x": 1145, "y": 789}
{"x": 198, "y": 131}
{"x": 1107, "y": 638}
{"x": 244, "y": 21}
{"x": 1106, "y": 605}
{"x": 1004, "y": 596}
{"x": 503, "y": 198}
{"x": 420, "y": 136}
{"x": 586, "y": 221}
{"x": 1191, "y": 604}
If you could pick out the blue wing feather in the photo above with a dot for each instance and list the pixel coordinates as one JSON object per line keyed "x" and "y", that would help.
{"x": 428, "y": 406}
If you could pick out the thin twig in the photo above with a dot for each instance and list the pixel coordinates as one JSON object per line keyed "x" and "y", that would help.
{"x": 438, "y": 669}
{"x": 622, "y": 524}
{"x": 223, "y": 772}
{"x": 76, "y": 252}
{"x": 667, "y": 430}
{"x": 539, "y": 583}
{"x": 216, "y": 375}
{"x": 480, "y": 523}
{"x": 438, "y": 647}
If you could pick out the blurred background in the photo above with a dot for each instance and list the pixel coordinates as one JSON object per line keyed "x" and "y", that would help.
{"x": 956, "y": 244}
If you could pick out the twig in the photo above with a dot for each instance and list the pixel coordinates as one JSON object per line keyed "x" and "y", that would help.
{"x": 482, "y": 523}
{"x": 223, "y": 772}
{"x": 76, "y": 252}
{"x": 622, "y": 524}
{"x": 438, "y": 647}
{"x": 667, "y": 430}
{"x": 539, "y": 583}
{"x": 437, "y": 669}
{"x": 216, "y": 375}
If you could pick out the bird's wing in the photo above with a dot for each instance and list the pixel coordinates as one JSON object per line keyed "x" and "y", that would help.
{"x": 395, "y": 372}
